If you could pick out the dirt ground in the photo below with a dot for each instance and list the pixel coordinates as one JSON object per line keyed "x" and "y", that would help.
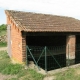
{"x": 3, "y": 48}
{"x": 6, "y": 77}
{"x": 49, "y": 78}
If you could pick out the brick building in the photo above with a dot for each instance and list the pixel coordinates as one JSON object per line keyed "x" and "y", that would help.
{"x": 34, "y": 29}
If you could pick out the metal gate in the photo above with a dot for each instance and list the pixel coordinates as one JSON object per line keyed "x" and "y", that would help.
{"x": 48, "y": 58}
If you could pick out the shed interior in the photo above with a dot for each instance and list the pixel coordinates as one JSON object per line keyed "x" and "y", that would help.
{"x": 55, "y": 51}
{"x": 77, "y": 54}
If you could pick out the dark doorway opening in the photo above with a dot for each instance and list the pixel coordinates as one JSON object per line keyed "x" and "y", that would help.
{"x": 77, "y": 54}
{"x": 46, "y": 40}
{"x": 56, "y": 46}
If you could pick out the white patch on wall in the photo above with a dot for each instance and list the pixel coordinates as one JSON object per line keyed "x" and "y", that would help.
{"x": 19, "y": 45}
{"x": 11, "y": 42}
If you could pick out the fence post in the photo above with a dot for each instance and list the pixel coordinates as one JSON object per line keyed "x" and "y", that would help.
{"x": 45, "y": 59}
{"x": 32, "y": 57}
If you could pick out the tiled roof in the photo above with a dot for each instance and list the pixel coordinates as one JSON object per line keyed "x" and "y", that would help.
{"x": 35, "y": 22}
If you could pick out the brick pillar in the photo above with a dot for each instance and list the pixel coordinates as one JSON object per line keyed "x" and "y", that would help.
{"x": 70, "y": 49}
{"x": 24, "y": 48}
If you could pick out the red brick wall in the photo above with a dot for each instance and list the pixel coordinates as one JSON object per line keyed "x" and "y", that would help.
{"x": 70, "y": 46}
{"x": 18, "y": 42}
{"x": 24, "y": 47}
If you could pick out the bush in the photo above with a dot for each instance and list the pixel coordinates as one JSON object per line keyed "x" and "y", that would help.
{"x": 3, "y": 27}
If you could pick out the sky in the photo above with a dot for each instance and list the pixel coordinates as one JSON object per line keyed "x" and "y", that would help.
{"x": 69, "y": 8}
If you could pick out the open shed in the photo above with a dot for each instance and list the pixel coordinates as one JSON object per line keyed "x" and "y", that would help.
{"x": 49, "y": 41}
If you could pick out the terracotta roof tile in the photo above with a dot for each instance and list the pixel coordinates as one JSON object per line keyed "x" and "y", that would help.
{"x": 34, "y": 22}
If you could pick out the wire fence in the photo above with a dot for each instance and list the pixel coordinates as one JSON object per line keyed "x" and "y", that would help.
{"x": 48, "y": 58}
{"x": 51, "y": 57}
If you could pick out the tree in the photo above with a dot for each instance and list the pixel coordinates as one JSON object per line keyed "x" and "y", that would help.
{"x": 3, "y": 27}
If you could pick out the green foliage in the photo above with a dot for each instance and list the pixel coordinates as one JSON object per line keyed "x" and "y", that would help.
{"x": 3, "y": 27}
{"x": 35, "y": 75}
{"x": 4, "y": 60}
{"x": 12, "y": 69}
{"x": 30, "y": 74}
{"x": 22, "y": 73}
{"x": 3, "y": 31}
{"x": 3, "y": 44}
{"x": 6, "y": 67}
{"x": 3, "y": 55}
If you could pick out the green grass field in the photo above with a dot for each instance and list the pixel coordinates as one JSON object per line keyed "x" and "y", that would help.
{"x": 70, "y": 74}
{"x": 8, "y": 68}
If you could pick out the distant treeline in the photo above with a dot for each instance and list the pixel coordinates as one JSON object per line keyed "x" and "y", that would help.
{"x": 3, "y": 27}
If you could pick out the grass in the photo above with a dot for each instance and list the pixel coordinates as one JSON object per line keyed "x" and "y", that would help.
{"x": 70, "y": 74}
{"x": 8, "y": 68}
{"x": 3, "y": 32}
{"x": 3, "y": 44}
{"x": 12, "y": 69}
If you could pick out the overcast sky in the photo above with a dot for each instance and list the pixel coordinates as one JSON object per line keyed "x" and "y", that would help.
{"x": 56, "y": 7}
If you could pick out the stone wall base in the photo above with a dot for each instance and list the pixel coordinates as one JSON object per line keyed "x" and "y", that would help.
{"x": 70, "y": 62}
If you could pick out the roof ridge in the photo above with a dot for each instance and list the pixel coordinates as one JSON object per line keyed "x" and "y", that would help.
{"x": 40, "y": 13}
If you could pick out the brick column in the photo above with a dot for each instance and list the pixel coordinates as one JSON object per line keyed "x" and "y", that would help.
{"x": 24, "y": 47}
{"x": 70, "y": 49}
